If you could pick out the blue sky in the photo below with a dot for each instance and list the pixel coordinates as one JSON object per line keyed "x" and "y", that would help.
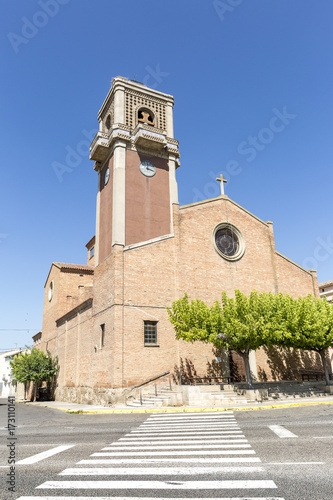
{"x": 232, "y": 66}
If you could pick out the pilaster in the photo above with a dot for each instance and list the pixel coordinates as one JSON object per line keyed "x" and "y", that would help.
{"x": 118, "y": 200}
{"x": 273, "y": 253}
{"x": 169, "y": 119}
{"x": 119, "y": 104}
{"x": 315, "y": 283}
{"x": 173, "y": 188}
{"x": 98, "y": 204}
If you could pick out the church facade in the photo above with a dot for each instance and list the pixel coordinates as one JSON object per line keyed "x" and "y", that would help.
{"x": 107, "y": 321}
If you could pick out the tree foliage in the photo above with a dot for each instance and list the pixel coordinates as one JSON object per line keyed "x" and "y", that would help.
{"x": 244, "y": 323}
{"x": 34, "y": 366}
{"x": 308, "y": 325}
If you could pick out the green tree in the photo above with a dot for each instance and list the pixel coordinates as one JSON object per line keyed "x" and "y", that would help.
{"x": 247, "y": 324}
{"x": 242, "y": 323}
{"x": 34, "y": 366}
{"x": 307, "y": 324}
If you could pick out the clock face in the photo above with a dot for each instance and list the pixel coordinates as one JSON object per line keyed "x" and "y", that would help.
{"x": 147, "y": 168}
{"x": 107, "y": 175}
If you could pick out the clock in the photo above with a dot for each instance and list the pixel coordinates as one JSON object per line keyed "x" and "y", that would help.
{"x": 147, "y": 168}
{"x": 106, "y": 176}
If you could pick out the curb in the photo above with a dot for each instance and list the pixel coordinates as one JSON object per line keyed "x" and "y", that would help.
{"x": 183, "y": 410}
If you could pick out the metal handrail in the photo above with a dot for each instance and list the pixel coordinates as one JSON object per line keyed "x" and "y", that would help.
{"x": 147, "y": 383}
{"x": 149, "y": 380}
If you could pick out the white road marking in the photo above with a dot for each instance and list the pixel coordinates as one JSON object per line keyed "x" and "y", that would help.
{"x": 143, "y": 498}
{"x": 160, "y": 485}
{"x": 237, "y": 439}
{"x": 189, "y": 413}
{"x": 322, "y": 437}
{"x": 191, "y": 419}
{"x": 187, "y": 427}
{"x": 201, "y": 421}
{"x": 182, "y": 433}
{"x": 188, "y": 424}
{"x": 227, "y": 444}
{"x": 222, "y": 434}
{"x": 141, "y": 461}
{"x": 44, "y": 455}
{"x": 294, "y": 463}
{"x": 176, "y": 453}
{"x": 158, "y": 471}
{"x": 281, "y": 431}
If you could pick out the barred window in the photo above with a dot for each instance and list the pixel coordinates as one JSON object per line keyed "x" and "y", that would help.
{"x": 150, "y": 332}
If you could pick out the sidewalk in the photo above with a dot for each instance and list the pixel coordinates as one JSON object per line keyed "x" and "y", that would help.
{"x": 91, "y": 409}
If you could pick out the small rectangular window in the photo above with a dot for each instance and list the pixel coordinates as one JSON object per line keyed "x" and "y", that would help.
{"x": 102, "y": 334}
{"x": 91, "y": 253}
{"x": 150, "y": 332}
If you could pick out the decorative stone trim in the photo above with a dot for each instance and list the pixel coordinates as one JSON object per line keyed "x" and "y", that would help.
{"x": 241, "y": 242}
{"x": 148, "y": 242}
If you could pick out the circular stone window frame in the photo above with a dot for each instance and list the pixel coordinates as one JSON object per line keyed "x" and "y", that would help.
{"x": 51, "y": 290}
{"x": 242, "y": 246}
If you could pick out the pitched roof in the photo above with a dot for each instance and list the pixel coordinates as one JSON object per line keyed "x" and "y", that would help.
{"x": 90, "y": 242}
{"x": 79, "y": 267}
{"x": 76, "y": 267}
{"x": 325, "y": 283}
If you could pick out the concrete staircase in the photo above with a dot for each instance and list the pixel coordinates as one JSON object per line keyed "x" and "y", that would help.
{"x": 200, "y": 395}
{"x": 272, "y": 391}
{"x": 164, "y": 397}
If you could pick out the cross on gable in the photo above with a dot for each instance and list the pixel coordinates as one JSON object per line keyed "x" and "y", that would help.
{"x": 222, "y": 181}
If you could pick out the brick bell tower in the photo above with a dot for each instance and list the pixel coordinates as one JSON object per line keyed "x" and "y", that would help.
{"x": 136, "y": 157}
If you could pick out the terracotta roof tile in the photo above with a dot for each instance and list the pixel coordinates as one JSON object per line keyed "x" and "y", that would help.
{"x": 325, "y": 283}
{"x": 80, "y": 267}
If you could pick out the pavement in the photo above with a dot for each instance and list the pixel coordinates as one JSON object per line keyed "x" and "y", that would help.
{"x": 253, "y": 405}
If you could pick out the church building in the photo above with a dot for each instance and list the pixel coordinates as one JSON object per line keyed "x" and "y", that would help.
{"x": 107, "y": 321}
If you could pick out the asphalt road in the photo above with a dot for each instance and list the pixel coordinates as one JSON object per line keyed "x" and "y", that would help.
{"x": 297, "y": 467}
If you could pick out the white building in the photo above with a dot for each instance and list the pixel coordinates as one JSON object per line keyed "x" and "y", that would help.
{"x": 7, "y": 386}
{"x": 326, "y": 290}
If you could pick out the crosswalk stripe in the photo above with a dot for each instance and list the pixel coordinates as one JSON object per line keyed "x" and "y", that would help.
{"x": 186, "y": 427}
{"x": 237, "y": 439}
{"x": 142, "y": 498}
{"x": 190, "y": 422}
{"x": 161, "y": 485}
{"x": 190, "y": 419}
{"x": 175, "y": 453}
{"x": 182, "y": 433}
{"x": 158, "y": 471}
{"x": 141, "y": 461}
{"x": 226, "y": 444}
{"x": 191, "y": 412}
{"x": 181, "y": 439}
{"x": 189, "y": 425}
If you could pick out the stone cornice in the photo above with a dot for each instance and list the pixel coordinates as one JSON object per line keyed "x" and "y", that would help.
{"x": 226, "y": 198}
{"x": 121, "y": 82}
{"x": 292, "y": 262}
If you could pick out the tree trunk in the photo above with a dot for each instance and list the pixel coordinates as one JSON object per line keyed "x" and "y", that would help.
{"x": 245, "y": 356}
{"x": 34, "y": 392}
{"x": 25, "y": 391}
{"x": 322, "y": 353}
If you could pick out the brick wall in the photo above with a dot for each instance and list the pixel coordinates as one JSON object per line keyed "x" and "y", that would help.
{"x": 138, "y": 283}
